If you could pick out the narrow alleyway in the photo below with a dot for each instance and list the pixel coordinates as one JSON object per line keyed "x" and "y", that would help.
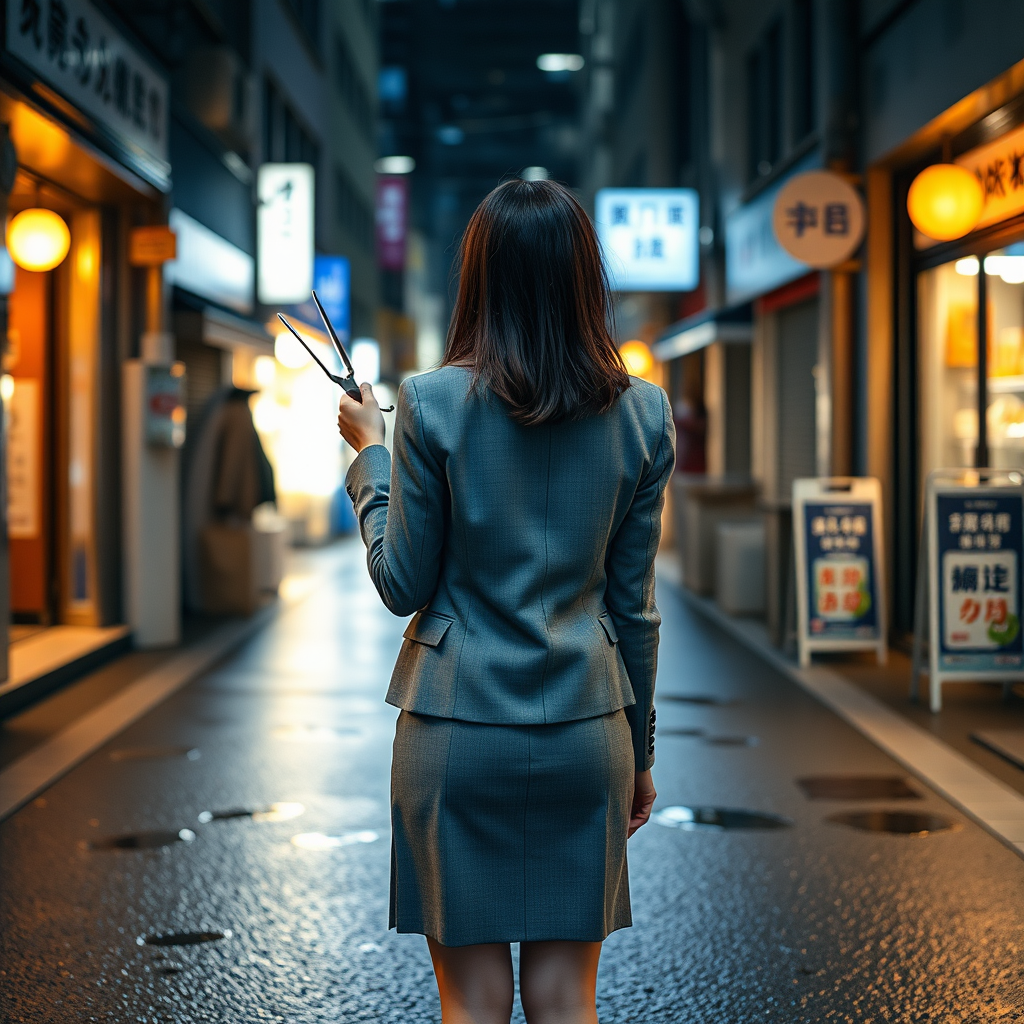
{"x": 226, "y": 858}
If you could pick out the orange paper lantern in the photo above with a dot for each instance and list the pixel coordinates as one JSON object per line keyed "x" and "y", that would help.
{"x": 945, "y": 201}
{"x": 38, "y": 239}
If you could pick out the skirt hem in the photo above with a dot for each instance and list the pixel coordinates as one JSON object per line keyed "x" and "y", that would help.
{"x": 507, "y": 938}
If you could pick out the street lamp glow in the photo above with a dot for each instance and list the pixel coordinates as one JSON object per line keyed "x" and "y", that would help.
{"x": 395, "y": 165}
{"x": 637, "y": 357}
{"x": 535, "y": 173}
{"x": 554, "y": 62}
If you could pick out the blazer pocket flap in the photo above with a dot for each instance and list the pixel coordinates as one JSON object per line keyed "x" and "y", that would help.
{"x": 428, "y": 628}
{"x": 609, "y": 627}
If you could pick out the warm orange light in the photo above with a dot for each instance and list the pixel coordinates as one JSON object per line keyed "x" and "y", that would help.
{"x": 38, "y": 239}
{"x": 637, "y": 357}
{"x": 945, "y": 201}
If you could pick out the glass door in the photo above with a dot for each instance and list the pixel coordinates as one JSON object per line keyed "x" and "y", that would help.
{"x": 958, "y": 302}
{"x": 1004, "y": 420}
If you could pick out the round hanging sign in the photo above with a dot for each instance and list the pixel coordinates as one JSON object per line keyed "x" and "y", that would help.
{"x": 819, "y": 218}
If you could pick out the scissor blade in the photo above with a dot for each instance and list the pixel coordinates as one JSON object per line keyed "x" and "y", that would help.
{"x": 334, "y": 337}
{"x": 298, "y": 337}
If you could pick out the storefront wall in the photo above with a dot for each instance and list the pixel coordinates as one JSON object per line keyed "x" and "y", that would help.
{"x": 62, "y": 359}
{"x": 938, "y": 79}
{"x": 95, "y": 154}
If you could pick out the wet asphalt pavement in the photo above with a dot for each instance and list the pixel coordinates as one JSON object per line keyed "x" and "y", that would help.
{"x": 226, "y": 858}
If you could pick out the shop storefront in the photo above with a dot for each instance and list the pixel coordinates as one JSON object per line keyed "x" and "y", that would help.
{"x": 957, "y": 318}
{"x": 87, "y": 117}
{"x": 790, "y": 426}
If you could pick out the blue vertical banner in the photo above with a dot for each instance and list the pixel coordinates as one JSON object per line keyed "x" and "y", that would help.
{"x": 332, "y": 280}
{"x": 979, "y": 538}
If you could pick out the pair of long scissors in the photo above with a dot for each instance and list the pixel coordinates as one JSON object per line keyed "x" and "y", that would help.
{"x": 348, "y": 382}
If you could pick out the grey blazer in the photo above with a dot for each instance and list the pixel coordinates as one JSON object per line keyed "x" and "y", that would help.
{"x": 526, "y": 552}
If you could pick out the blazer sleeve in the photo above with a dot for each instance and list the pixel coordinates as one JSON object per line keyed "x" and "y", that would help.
{"x": 400, "y": 507}
{"x": 629, "y": 596}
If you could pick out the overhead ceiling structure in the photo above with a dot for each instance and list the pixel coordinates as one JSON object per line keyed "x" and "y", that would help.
{"x": 463, "y": 95}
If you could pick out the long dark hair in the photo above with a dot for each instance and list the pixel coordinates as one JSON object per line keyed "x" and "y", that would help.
{"x": 531, "y": 317}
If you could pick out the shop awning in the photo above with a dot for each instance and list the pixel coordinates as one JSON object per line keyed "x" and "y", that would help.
{"x": 221, "y": 329}
{"x": 731, "y": 324}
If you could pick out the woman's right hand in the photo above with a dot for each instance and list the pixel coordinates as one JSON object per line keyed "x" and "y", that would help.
{"x": 360, "y": 424}
{"x": 643, "y": 800}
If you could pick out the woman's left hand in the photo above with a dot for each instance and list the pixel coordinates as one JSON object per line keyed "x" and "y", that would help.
{"x": 360, "y": 425}
{"x": 643, "y": 800}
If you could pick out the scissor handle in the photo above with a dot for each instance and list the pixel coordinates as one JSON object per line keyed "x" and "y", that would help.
{"x": 350, "y": 385}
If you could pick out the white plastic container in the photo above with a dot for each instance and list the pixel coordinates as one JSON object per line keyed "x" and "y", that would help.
{"x": 739, "y": 561}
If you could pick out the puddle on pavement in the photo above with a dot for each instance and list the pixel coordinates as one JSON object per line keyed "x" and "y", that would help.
{"x": 857, "y": 787}
{"x": 898, "y": 822}
{"x": 169, "y": 969}
{"x": 281, "y": 811}
{"x": 153, "y": 753}
{"x": 313, "y": 733}
{"x": 182, "y": 938}
{"x": 319, "y": 841}
{"x": 717, "y": 819}
{"x": 144, "y": 840}
{"x": 704, "y": 699}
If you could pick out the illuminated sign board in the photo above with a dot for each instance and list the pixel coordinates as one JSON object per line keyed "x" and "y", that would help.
{"x": 392, "y": 220}
{"x": 284, "y": 233}
{"x": 209, "y": 265}
{"x": 74, "y": 48}
{"x": 649, "y": 238}
{"x": 755, "y": 262}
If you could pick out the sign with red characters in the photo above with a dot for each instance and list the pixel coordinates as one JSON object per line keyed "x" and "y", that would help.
{"x": 970, "y": 579}
{"x": 837, "y": 537}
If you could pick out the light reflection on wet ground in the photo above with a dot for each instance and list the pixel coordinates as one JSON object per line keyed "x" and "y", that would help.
{"x": 275, "y": 912}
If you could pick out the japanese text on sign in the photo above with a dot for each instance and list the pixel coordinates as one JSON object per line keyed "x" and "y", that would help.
{"x": 978, "y": 547}
{"x": 999, "y": 166}
{"x": 839, "y": 533}
{"x": 839, "y": 558}
{"x": 819, "y": 218}
{"x": 649, "y": 238}
{"x": 979, "y": 530}
{"x": 74, "y": 48}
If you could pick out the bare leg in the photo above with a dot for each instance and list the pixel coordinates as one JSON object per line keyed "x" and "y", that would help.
{"x": 558, "y": 981}
{"x": 475, "y": 982}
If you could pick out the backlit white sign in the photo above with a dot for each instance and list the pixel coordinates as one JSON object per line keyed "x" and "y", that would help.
{"x": 285, "y": 233}
{"x": 649, "y": 238}
{"x": 210, "y": 265}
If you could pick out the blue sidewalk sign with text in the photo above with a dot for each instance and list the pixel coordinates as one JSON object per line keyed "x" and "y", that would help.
{"x": 836, "y": 532}
{"x": 979, "y": 554}
{"x": 969, "y": 580}
{"x": 841, "y": 580}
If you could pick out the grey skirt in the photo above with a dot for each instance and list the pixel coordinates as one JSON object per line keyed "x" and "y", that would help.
{"x": 510, "y": 833}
